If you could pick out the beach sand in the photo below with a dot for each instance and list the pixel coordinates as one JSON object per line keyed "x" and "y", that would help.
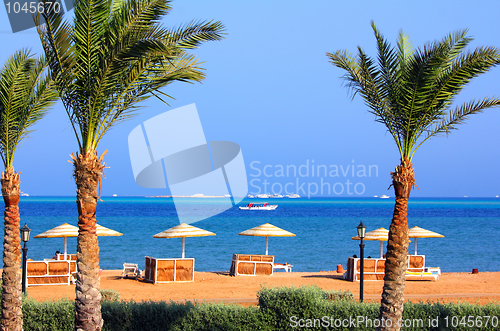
{"x": 482, "y": 288}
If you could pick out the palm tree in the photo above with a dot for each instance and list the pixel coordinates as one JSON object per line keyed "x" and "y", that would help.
{"x": 411, "y": 92}
{"x": 25, "y": 95}
{"x": 113, "y": 55}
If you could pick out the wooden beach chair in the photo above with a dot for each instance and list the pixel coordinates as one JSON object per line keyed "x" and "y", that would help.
{"x": 168, "y": 270}
{"x": 51, "y": 272}
{"x": 71, "y": 257}
{"x": 252, "y": 265}
{"x": 374, "y": 269}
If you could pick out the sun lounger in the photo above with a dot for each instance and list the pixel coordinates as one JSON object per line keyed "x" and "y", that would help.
{"x": 436, "y": 270}
{"x": 412, "y": 275}
{"x": 132, "y": 270}
{"x": 285, "y": 266}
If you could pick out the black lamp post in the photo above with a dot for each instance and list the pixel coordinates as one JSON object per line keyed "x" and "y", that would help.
{"x": 25, "y": 236}
{"x": 361, "y": 234}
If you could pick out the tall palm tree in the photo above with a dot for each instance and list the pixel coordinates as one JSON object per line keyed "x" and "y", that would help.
{"x": 25, "y": 95}
{"x": 412, "y": 92}
{"x": 114, "y": 54}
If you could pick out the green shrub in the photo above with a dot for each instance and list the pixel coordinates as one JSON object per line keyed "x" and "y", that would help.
{"x": 281, "y": 308}
{"x": 221, "y": 317}
{"x": 48, "y": 315}
{"x": 124, "y": 316}
{"x": 339, "y": 295}
{"x": 157, "y": 315}
{"x": 109, "y": 295}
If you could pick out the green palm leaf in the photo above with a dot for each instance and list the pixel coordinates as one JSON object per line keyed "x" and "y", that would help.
{"x": 412, "y": 91}
{"x": 116, "y": 54}
{"x": 26, "y": 92}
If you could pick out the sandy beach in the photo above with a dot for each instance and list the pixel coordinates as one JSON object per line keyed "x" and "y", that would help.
{"x": 481, "y": 288}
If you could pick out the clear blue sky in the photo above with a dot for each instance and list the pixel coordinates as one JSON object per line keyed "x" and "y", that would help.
{"x": 271, "y": 89}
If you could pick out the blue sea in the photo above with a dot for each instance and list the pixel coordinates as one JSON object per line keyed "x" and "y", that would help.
{"x": 323, "y": 228}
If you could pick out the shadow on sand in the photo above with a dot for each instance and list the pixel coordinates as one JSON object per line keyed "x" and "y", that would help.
{"x": 339, "y": 277}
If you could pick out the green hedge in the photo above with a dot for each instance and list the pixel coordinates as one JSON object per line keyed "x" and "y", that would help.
{"x": 279, "y": 308}
{"x": 221, "y": 317}
{"x": 48, "y": 316}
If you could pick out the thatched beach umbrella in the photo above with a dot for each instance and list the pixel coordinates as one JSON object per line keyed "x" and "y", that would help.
{"x": 417, "y": 232}
{"x": 66, "y": 230}
{"x": 380, "y": 234}
{"x": 182, "y": 231}
{"x": 267, "y": 230}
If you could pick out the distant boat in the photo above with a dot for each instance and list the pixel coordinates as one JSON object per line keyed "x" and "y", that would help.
{"x": 250, "y": 196}
{"x": 293, "y": 196}
{"x": 259, "y": 206}
{"x": 384, "y": 197}
{"x": 115, "y": 195}
{"x": 375, "y": 196}
{"x": 25, "y": 195}
{"x": 227, "y": 196}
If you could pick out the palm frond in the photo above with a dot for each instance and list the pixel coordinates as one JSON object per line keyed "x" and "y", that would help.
{"x": 121, "y": 55}
{"x": 193, "y": 34}
{"x": 410, "y": 91}
{"x": 56, "y": 36}
{"x": 458, "y": 116}
{"x": 26, "y": 92}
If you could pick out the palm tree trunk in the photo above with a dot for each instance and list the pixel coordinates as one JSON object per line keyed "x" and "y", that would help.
{"x": 391, "y": 308}
{"x": 11, "y": 277}
{"x": 88, "y": 172}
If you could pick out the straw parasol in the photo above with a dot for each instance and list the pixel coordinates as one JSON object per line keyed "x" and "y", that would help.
{"x": 182, "y": 231}
{"x": 67, "y": 230}
{"x": 417, "y": 232}
{"x": 380, "y": 234}
{"x": 267, "y": 230}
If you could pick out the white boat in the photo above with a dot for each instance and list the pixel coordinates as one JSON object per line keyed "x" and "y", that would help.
{"x": 293, "y": 196}
{"x": 262, "y": 196}
{"x": 375, "y": 196}
{"x": 115, "y": 195}
{"x": 250, "y": 196}
{"x": 259, "y": 206}
{"x": 384, "y": 196}
{"x": 25, "y": 195}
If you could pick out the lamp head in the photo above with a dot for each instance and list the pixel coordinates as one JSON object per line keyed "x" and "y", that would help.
{"x": 25, "y": 233}
{"x": 361, "y": 230}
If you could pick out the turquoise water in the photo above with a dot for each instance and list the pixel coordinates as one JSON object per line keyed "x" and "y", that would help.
{"x": 324, "y": 227}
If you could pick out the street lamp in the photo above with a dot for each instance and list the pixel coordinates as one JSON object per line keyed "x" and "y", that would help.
{"x": 361, "y": 234}
{"x": 25, "y": 236}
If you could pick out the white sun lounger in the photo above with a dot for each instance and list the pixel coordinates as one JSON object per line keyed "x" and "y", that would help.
{"x": 131, "y": 269}
{"x": 285, "y": 266}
